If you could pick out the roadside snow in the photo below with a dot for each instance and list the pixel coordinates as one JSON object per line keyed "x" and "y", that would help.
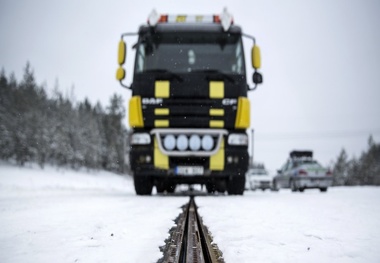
{"x": 56, "y": 215}
{"x": 342, "y": 225}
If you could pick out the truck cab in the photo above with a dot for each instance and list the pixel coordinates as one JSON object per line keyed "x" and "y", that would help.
{"x": 189, "y": 108}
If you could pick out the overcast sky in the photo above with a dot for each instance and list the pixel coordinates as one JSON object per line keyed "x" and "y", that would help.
{"x": 320, "y": 62}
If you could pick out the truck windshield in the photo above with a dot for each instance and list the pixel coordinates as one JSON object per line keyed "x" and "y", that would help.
{"x": 190, "y": 52}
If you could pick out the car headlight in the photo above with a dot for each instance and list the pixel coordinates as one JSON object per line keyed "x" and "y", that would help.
{"x": 238, "y": 139}
{"x": 140, "y": 138}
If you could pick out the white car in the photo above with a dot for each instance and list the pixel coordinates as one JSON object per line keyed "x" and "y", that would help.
{"x": 258, "y": 178}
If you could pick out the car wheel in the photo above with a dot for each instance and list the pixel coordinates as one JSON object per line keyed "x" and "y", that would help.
{"x": 323, "y": 189}
{"x": 293, "y": 186}
{"x": 143, "y": 184}
{"x": 274, "y": 186}
{"x": 301, "y": 190}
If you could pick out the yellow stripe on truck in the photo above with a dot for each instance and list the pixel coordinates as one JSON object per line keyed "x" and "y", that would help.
{"x": 161, "y": 123}
{"x": 162, "y": 89}
{"x": 216, "y": 124}
{"x": 161, "y": 161}
{"x": 216, "y": 112}
{"x": 135, "y": 112}
{"x": 216, "y": 89}
{"x": 161, "y": 111}
{"x": 242, "y": 114}
{"x": 217, "y": 160}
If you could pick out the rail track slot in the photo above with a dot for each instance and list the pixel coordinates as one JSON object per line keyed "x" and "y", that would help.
{"x": 190, "y": 240}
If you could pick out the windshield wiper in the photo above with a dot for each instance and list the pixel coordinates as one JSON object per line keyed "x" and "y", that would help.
{"x": 166, "y": 72}
{"x": 216, "y": 72}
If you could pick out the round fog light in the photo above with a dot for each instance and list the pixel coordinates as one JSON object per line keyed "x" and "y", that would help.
{"x": 207, "y": 142}
{"x": 169, "y": 142}
{"x": 182, "y": 142}
{"x": 195, "y": 142}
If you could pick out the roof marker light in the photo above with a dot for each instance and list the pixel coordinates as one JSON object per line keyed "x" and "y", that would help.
{"x": 225, "y": 19}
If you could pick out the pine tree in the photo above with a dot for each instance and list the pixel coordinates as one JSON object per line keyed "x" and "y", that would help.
{"x": 340, "y": 169}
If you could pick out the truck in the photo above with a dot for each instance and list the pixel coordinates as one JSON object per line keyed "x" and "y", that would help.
{"x": 189, "y": 109}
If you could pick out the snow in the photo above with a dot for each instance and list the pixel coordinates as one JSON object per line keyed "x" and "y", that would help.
{"x": 58, "y": 215}
{"x": 55, "y": 215}
{"x": 342, "y": 225}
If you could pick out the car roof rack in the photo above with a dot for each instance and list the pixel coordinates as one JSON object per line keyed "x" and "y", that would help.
{"x": 301, "y": 154}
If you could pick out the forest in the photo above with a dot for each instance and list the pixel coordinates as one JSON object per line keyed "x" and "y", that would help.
{"x": 56, "y": 130}
{"x": 35, "y": 127}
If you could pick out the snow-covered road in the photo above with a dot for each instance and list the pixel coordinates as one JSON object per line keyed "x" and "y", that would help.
{"x": 57, "y": 216}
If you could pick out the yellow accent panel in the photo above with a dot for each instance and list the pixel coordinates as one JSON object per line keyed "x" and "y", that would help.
{"x": 243, "y": 113}
{"x": 161, "y": 123}
{"x": 162, "y": 111}
{"x": 135, "y": 112}
{"x": 162, "y": 89}
{"x": 216, "y": 89}
{"x": 217, "y": 160}
{"x": 216, "y": 124}
{"x": 216, "y": 112}
{"x": 256, "y": 57}
{"x": 161, "y": 160}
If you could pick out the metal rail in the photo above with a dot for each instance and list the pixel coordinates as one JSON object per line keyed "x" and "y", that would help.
{"x": 190, "y": 241}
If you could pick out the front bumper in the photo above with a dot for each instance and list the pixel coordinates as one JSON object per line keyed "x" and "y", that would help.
{"x": 262, "y": 184}
{"x": 232, "y": 161}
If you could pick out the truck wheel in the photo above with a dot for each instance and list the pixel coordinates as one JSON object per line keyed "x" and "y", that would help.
{"x": 323, "y": 189}
{"x": 235, "y": 186}
{"x": 170, "y": 188}
{"x": 160, "y": 187}
{"x": 143, "y": 184}
{"x": 211, "y": 188}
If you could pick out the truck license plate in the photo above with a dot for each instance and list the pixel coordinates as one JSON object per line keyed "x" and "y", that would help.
{"x": 189, "y": 170}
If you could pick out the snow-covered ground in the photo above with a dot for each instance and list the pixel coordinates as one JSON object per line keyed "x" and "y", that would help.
{"x": 57, "y": 215}
{"x": 342, "y": 225}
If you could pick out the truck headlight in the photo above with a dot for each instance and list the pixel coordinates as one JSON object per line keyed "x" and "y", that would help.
{"x": 238, "y": 139}
{"x": 140, "y": 138}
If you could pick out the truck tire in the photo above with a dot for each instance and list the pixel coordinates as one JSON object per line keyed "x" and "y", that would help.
{"x": 170, "y": 188}
{"x": 323, "y": 189}
{"x": 235, "y": 186}
{"x": 143, "y": 184}
{"x": 160, "y": 187}
{"x": 211, "y": 188}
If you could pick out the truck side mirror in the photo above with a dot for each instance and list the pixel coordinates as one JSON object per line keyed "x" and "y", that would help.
{"x": 257, "y": 78}
{"x": 120, "y": 73}
{"x": 279, "y": 171}
{"x": 256, "y": 57}
{"x": 122, "y": 52}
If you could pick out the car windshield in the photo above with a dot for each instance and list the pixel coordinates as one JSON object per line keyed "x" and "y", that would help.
{"x": 309, "y": 163}
{"x": 190, "y": 52}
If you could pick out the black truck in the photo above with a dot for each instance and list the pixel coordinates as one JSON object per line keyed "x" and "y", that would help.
{"x": 189, "y": 108}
